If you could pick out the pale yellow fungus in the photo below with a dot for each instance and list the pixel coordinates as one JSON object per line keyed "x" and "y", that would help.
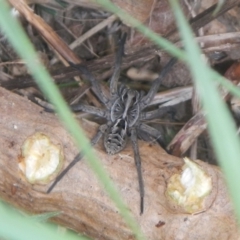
{"x": 41, "y": 159}
{"x": 189, "y": 189}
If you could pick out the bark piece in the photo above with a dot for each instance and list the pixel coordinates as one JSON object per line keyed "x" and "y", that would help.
{"x": 83, "y": 204}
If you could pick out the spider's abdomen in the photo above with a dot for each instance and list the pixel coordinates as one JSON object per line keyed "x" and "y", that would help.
{"x": 115, "y": 138}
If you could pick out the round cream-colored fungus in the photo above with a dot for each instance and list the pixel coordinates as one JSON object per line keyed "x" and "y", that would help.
{"x": 41, "y": 159}
{"x": 190, "y": 188}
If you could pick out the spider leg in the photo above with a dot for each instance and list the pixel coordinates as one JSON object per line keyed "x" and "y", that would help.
{"x": 48, "y": 107}
{"x": 95, "y": 84}
{"x": 155, "y": 86}
{"x": 152, "y": 132}
{"x": 138, "y": 167}
{"x": 78, "y": 157}
{"x": 89, "y": 109}
{"x": 158, "y": 113}
{"x": 117, "y": 66}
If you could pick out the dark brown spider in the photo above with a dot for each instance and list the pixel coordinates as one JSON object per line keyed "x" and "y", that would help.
{"x": 124, "y": 113}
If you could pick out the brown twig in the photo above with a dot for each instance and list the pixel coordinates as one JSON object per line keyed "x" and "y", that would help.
{"x": 45, "y": 30}
{"x": 80, "y": 199}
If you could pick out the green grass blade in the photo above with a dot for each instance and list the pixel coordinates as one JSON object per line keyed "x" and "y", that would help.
{"x": 219, "y": 5}
{"x": 220, "y": 124}
{"x": 16, "y": 226}
{"x": 154, "y": 37}
{"x": 44, "y": 216}
{"x": 22, "y": 45}
{"x": 163, "y": 43}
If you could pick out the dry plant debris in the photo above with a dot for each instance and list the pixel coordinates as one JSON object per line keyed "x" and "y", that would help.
{"x": 55, "y": 29}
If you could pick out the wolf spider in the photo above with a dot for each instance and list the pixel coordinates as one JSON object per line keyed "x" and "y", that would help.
{"x": 124, "y": 114}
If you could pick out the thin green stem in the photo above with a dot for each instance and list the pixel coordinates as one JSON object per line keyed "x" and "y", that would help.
{"x": 220, "y": 124}
{"x": 25, "y": 49}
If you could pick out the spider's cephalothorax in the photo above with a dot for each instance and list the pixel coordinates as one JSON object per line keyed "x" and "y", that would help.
{"x": 124, "y": 114}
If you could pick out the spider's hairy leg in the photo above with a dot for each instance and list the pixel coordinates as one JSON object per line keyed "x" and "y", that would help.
{"x": 95, "y": 84}
{"x": 157, "y": 113}
{"x": 138, "y": 167}
{"x": 78, "y": 157}
{"x": 157, "y": 135}
{"x": 117, "y": 66}
{"x": 89, "y": 109}
{"x": 156, "y": 84}
{"x": 48, "y": 107}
